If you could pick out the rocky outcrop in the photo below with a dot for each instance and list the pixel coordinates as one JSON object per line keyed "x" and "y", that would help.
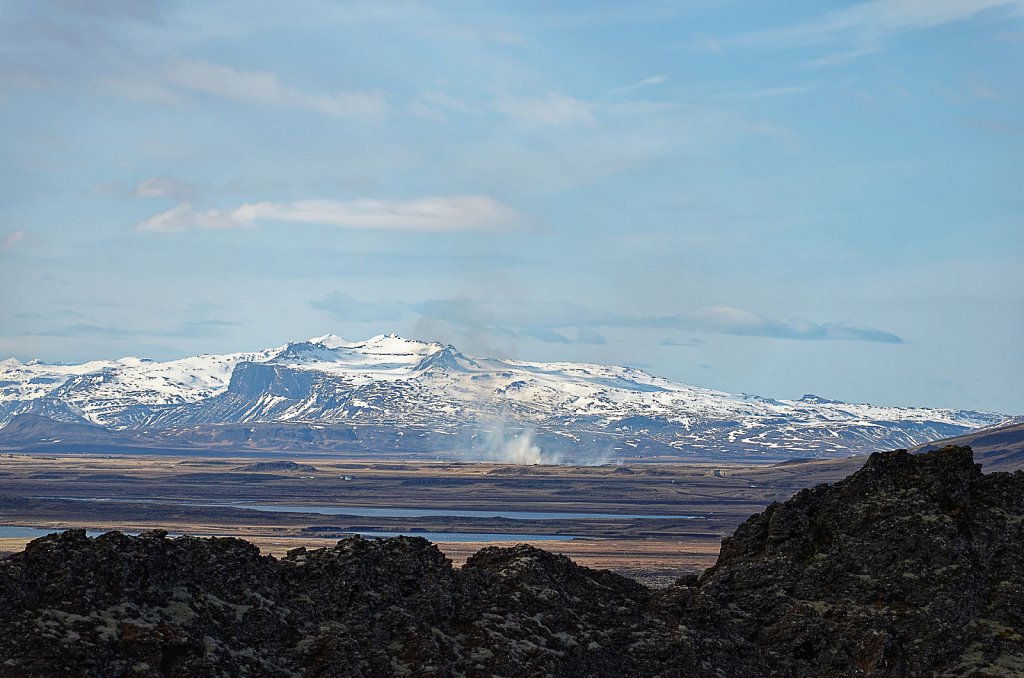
{"x": 265, "y": 466}
{"x": 124, "y": 606}
{"x": 912, "y": 566}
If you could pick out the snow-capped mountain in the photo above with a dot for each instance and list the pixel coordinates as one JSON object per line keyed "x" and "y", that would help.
{"x": 394, "y": 395}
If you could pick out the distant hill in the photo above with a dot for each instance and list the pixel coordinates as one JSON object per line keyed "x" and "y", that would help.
{"x": 263, "y": 466}
{"x": 998, "y": 448}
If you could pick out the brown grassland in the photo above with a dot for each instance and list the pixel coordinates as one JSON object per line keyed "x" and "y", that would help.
{"x": 137, "y": 493}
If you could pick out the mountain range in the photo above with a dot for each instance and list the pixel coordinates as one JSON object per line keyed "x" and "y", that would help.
{"x": 397, "y": 397}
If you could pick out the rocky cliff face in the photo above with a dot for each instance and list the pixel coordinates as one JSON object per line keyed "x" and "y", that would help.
{"x": 912, "y": 566}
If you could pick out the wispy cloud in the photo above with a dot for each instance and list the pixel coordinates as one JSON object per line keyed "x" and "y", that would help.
{"x": 477, "y": 34}
{"x": 13, "y": 239}
{"x": 188, "y": 329}
{"x": 477, "y": 317}
{"x": 511, "y": 315}
{"x": 265, "y": 87}
{"x": 165, "y": 187}
{"x": 692, "y": 342}
{"x": 1009, "y": 36}
{"x": 552, "y": 109}
{"x": 424, "y": 215}
{"x": 993, "y": 126}
{"x": 550, "y": 322}
{"x": 843, "y": 56}
{"x": 438, "y": 105}
{"x": 766, "y": 92}
{"x": 866, "y": 24}
{"x": 140, "y": 88}
{"x": 547, "y": 336}
{"x": 116, "y": 10}
{"x": 639, "y": 84}
{"x": 980, "y": 88}
{"x": 730, "y": 320}
{"x": 344, "y": 306}
{"x": 583, "y": 335}
{"x": 587, "y": 335}
{"x": 183, "y": 217}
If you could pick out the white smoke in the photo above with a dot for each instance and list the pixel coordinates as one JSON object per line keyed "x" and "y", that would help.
{"x": 513, "y": 446}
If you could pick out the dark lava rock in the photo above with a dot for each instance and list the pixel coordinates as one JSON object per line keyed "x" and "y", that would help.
{"x": 912, "y": 566}
{"x": 278, "y": 466}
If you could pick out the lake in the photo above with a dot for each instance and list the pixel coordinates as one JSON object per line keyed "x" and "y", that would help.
{"x": 388, "y": 512}
{"x": 34, "y": 532}
{"x": 380, "y": 512}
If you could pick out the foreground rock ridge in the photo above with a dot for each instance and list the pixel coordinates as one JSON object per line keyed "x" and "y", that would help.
{"x": 913, "y": 566}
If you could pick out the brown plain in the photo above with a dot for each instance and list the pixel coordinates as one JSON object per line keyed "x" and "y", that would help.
{"x": 159, "y": 492}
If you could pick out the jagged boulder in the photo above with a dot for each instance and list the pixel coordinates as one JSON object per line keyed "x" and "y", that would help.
{"x": 912, "y": 566}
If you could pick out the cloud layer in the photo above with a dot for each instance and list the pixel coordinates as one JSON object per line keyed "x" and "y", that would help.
{"x": 265, "y": 87}
{"x": 437, "y": 214}
{"x": 867, "y": 23}
{"x": 729, "y": 320}
{"x": 561, "y": 323}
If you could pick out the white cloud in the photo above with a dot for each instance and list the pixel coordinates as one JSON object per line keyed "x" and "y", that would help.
{"x": 12, "y": 239}
{"x": 264, "y": 87}
{"x": 553, "y": 109}
{"x": 423, "y": 215}
{"x": 141, "y": 89}
{"x": 437, "y": 105}
{"x": 164, "y": 187}
{"x": 183, "y": 217}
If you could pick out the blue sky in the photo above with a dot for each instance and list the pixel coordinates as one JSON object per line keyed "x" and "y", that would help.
{"x": 772, "y": 198}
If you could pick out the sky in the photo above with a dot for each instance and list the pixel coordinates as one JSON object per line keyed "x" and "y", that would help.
{"x": 774, "y": 198}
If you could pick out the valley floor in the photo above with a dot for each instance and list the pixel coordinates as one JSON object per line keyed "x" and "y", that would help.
{"x": 281, "y": 505}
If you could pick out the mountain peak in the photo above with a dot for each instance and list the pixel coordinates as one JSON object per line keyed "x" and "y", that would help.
{"x": 447, "y": 359}
{"x": 395, "y": 344}
{"x": 330, "y": 340}
{"x": 818, "y": 400}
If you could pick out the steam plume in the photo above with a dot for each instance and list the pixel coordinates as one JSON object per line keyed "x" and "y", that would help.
{"x": 518, "y": 446}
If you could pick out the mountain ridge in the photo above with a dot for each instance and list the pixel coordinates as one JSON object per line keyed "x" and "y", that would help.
{"x": 580, "y": 412}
